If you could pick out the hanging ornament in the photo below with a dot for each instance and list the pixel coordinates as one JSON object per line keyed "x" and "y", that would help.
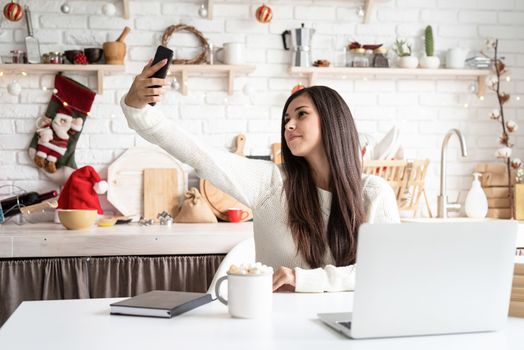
{"x": 65, "y": 8}
{"x": 14, "y": 88}
{"x": 361, "y": 12}
{"x": 175, "y": 84}
{"x": 264, "y": 14}
{"x": 297, "y": 87}
{"x": 109, "y": 9}
{"x": 13, "y": 11}
{"x": 202, "y": 11}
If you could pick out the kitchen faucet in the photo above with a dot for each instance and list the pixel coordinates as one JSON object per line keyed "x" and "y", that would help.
{"x": 442, "y": 199}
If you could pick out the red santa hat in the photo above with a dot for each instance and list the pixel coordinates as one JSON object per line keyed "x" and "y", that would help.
{"x": 82, "y": 189}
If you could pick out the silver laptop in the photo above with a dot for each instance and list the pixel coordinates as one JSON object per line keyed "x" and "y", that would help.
{"x": 431, "y": 278}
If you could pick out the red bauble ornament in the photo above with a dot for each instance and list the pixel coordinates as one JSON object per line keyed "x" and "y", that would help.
{"x": 297, "y": 87}
{"x": 264, "y": 14}
{"x": 80, "y": 58}
{"x": 13, "y": 11}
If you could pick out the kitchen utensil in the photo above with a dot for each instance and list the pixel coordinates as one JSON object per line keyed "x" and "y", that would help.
{"x": 77, "y": 219}
{"x": 115, "y": 51}
{"x": 125, "y": 175}
{"x": 70, "y": 55}
{"x": 219, "y": 201}
{"x": 301, "y": 44}
{"x": 93, "y": 54}
{"x": 160, "y": 192}
{"x": 31, "y": 43}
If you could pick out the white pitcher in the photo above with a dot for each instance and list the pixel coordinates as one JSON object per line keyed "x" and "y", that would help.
{"x": 456, "y": 57}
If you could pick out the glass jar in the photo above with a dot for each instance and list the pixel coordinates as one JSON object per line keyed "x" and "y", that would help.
{"x": 55, "y": 57}
{"x": 45, "y": 58}
{"x": 359, "y": 58}
{"x": 17, "y": 56}
{"x": 379, "y": 58}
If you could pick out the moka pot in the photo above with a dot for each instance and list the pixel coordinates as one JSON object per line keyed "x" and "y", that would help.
{"x": 300, "y": 44}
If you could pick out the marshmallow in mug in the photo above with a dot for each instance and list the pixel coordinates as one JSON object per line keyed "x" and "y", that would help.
{"x": 250, "y": 269}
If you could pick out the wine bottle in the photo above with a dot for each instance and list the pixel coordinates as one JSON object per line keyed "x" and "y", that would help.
{"x": 11, "y": 206}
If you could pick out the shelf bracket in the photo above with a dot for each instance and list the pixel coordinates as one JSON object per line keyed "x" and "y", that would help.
{"x": 100, "y": 82}
{"x": 481, "y": 86}
{"x": 125, "y": 5}
{"x": 210, "y": 9}
{"x": 230, "y": 80}
{"x": 310, "y": 79}
{"x": 368, "y": 4}
{"x": 183, "y": 82}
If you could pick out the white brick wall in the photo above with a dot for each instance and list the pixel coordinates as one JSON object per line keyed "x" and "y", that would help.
{"x": 424, "y": 109}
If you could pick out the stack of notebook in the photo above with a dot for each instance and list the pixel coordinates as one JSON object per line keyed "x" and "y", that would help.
{"x": 516, "y": 304}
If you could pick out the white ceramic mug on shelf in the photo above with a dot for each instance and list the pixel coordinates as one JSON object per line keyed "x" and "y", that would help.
{"x": 231, "y": 53}
{"x": 249, "y": 296}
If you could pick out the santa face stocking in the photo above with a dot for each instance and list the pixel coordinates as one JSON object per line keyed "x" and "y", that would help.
{"x": 53, "y": 145}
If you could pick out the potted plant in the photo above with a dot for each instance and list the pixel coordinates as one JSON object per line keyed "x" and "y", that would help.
{"x": 403, "y": 50}
{"x": 429, "y": 61}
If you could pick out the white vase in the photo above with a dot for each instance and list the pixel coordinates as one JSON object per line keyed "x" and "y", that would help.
{"x": 408, "y": 62}
{"x": 476, "y": 204}
{"x": 429, "y": 62}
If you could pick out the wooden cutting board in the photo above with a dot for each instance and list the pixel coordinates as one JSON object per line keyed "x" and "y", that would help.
{"x": 160, "y": 192}
{"x": 125, "y": 178}
{"x": 219, "y": 201}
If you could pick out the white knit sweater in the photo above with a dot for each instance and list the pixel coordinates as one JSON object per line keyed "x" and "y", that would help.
{"x": 258, "y": 184}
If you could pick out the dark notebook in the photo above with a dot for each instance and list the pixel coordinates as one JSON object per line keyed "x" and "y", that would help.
{"x": 160, "y": 303}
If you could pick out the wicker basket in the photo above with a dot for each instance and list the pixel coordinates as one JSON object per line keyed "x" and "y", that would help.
{"x": 406, "y": 178}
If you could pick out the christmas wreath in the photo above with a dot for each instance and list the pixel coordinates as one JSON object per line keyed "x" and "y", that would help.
{"x": 200, "y": 58}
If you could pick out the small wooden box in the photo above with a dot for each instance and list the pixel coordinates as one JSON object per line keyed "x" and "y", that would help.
{"x": 519, "y": 201}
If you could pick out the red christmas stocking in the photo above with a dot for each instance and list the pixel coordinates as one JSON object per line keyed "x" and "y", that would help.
{"x": 53, "y": 145}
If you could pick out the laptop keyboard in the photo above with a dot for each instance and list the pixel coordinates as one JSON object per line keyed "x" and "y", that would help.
{"x": 345, "y": 324}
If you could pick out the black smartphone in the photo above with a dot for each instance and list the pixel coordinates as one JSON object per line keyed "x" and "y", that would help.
{"x": 161, "y": 53}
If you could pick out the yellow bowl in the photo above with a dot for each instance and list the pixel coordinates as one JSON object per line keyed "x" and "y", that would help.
{"x": 77, "y": 219}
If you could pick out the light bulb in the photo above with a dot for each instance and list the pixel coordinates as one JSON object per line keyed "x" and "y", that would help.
{"x": 508, "y": 78}
{"x": 481, "y": 98}
{"x": 517, "y": 98}
{"x": 24, "y": 74}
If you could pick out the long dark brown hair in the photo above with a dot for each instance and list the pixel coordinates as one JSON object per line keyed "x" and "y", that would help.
{"x": 341, "y": 144}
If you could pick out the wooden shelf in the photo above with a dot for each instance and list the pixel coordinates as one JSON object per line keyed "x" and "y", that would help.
{"x": 368, "y": 7}
{"x": 230, "y": 71}
{"x": 312, "y": 73}
{"x": 100, "y": 70}
{"x": 125, "y": 6}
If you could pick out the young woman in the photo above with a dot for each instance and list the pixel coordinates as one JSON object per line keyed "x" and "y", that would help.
{"x": 306, "y": 213}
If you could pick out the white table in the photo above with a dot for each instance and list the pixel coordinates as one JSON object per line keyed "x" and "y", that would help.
{"x": 86, "y": 324}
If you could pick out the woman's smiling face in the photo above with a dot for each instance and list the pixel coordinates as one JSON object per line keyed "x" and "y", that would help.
{"x": 302, "y": 127}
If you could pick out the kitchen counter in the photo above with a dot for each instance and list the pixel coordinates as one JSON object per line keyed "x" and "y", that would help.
{"x": 53, "y": 240}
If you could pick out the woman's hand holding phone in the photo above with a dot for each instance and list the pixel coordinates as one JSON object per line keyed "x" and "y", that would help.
{"x": 143, "y": 90}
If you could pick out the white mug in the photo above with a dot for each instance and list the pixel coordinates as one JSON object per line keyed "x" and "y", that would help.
{"x": 249, "y": 296}
{"x": 232, "y": 53}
